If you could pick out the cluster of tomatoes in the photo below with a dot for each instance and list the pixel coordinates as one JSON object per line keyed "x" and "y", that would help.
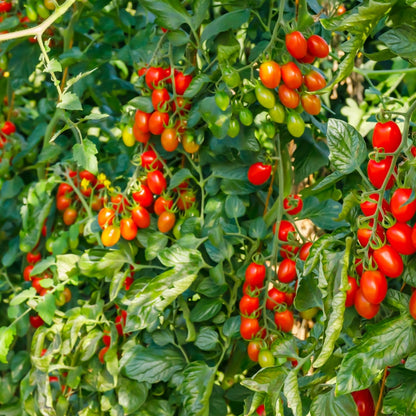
{"x": 385, "y": 231}
{"x": 277, "y": 298}
{"x": 168, "y": 119}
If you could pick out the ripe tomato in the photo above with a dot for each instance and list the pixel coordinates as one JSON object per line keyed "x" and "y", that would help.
{"x": 189, "y": 143}
{"x": 102, "y": 353}
{"x": 70, "y": 215}
{"x": 166, "y": 221}
{"x": 160, "y": 99}
{"x": 141, "y": 120}
{"x": 351, "y": 291}
{"x": 266, "y": 358}
{"x": 364, "y": 401}
{"x": 141, "y": 216}
{"x": 8, "y": 128}
{"x": 285, "y": 228}
{"x": 128, "y": 228}
{"x": 373, "y": 286}
{"x": 162, "y": 204}
{"x": 64, "y": 188}
{"x": 414, "y": 236}
{"x": 149, "y": 160}
{"x": 388, "y": 261}
{"x": 105, "y": 217}
{"x": 249, "y": 328}
{"x": 270, "y": 74}
{"x": 186, "y": 199}
{"x": 275, "y": 298}
{"x": 387, "y": 136}
{"x": 277, "y": 113}
{"x": 287, "y": 271}
{"x": 287, "y": 251}
{"x": 169, "y": 139}
{"x": 317, "y": 46}
{"x": 363, "y": 307}
{"x": 293, "y": 204}
{"x": 119, "y": 324}
{"x": 295, "y": 124}
{"x": 260, "y": 410}
{"x": 288, "y": 97}
{"x": 156, "y": 181}
{"x": 284, "y": 320}
{"x": 63, "y": 202}
{"x": 369, "y": 207}
{"x": 154, "y": 76}
{"x": 265, "y": 97}
{"x": 304, "y": 251}
{"x": 143, "y": 196}
{"x": 259, "y": 173}
{"x": 401, "y": 204}
{"x": 119, "y": 203}
{"x": 110, "y": 236}
{"x": 255, "y": 274}
{"x": 341, "y": 10}
{"x": 291, "y": 75}
{"x": 36, "y": 321}
{"x": 33, "y": 258}
{"x": 412, "y": 305}
{"x": 314, "y": 81}
{"x": 182, "y": 82}
{"x": 181, "y": 104}
{"x": 36, "y": 283}
{"x": 27, "y": 271}
{"x": 87, "y": 175}
{"x": 253, "y": 349}
{"x": 158, "y": 122}
{"x": 296, "y": 44}
{"x": 307, "y": 59}
{"x": 311, "y": 104}
{"x": 139, "y": 135}
{"x": 400, "y": 238}
{"x": 365, "y": 231}
{"x": 377, "y": 172}
{"x": 249, "y": 305}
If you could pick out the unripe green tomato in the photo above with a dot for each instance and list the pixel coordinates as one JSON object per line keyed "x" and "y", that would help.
{"x": 177, "y": 232}
{"x": 234, "y": 128}
{"x": 277, "y": 113}
{"x": 49, "y": 4}
{"x": 48, "y": 244}
{"x": 128, "y": 136}
{"x": 309, "y": 313}
{"x": 266, "y": 359}
{"x": 249, "y": 97}
{"x": 3, "y": 62}
{"x": 60, "y": 300}
{"x": 31, "y": 156}
{"x": 269, "y": 129}
{"x": 295, "y": 124}
{"x": 265, "y": 97}
{"x": 231, "y": 77}
{"x": 246, "y": 117}
{"x": 42, "y": 11}
{"x": 222, "y": 100}
{"x": 31, "y": 13}
{"x": 73, "y": 244}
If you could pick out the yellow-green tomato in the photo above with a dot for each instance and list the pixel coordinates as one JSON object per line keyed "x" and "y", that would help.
{"x": 265, "y": 97}
{"x": 233, "y": 128}
{"x": 128, "y": 136}
{"x": 266, "y": 358}
{"x": 277, "y": 113}
{"x": 295, "y": 124}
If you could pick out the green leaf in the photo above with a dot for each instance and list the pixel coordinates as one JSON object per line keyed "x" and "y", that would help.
{"x": 400, "y": 40}
{"x": 196, "y": 388}
{"x": 156, "y": 407}
{"x": 346, "y": 146}
{"x": 156, "y": 242}
{"x": 409, "y": 272}
{"x": 329, "y": 404}
{"x": 205, "y": 309}
{"x": 207, "y": 339}
{"x": 179, "y": 177}
{"x": 308, "y": 294}
{"x": 70, "y": 101}
{"x": 200, "y": 8}
{"x": 154, "y": 364}
{"x": 196, "y": 85}
{"x": 400, "y": 399}
{"x": 22, "y": 296}
{"x": 384, "y": 344}
{"x": 257, "y": 228}
{"x": 142, "y": 103}
{"x": 170, "y": 14}
{"x": 11, "y": 188}
{"x": 234, "y": 207}
{"x": 177, "y": 256}
{"x": 131, "y": 395}
{"x": 53, "y": 66}
{"x": 218, "y": 121}
{"x": 6, "y": 338}
{"x": 66, "y": 265}
{"x": 260, "y": 382}
{"x": 102, "y": 263}
{"x": 46, "y": 308}
{"x": 291, "y": 391}
{"x": 20, "y": 365}
{"x": 232, "y": 20}
{"x": 84, "y": 155}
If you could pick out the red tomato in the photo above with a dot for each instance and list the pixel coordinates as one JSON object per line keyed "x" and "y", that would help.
{"x": 27, "y": 271}
{"x": 249, "y": 305}
{"x": 250, "y": 290}
{"x": 64, "y": 188}
{"x": 387, "y": 136}
{"x": 139, "y": 135}
{"x": 260, "y": 410}
{"x": 36, "y": 284}
{"x": 412, "y": 305}
{"x": 290, "y": 297}
{"x": 154, "y": 76}
{"x": 259, "y": 173}
{"x": 293, "y": 204}
{"x": 359, "y": 266}
{"x": 388, "y": 261}
{"x": 169, "y": 139}
{"x": 149, "y": 160}
{"x": 249, "y": 328}
{"x": 307, "y": 59}
{"x": 128, "y": 282}
{"x": 373, "y": 286}
{"x": 140, "y": 216}
{"x": 143, "y": 196}
{"x": 106, "y": 217}
{"x": 160, "y": 99}
{"x": 70, "y": 215}
{"x": 292, "y": 75}
{"x": 141, "y": 120}
{"x": 36, "y": 321}
{"x": 363, "y": 307}
{"x": 288, "y": 251}
{"x": 364, "y": 401}
{"x": 286, "y": 228}
{"x": 400, "y": 238}
{"x": 365, "y": 231}
{"x": 284, "y": 320}
{"x": 377, "y": 172}
{"x": 119, "y": 202}
{"x": 186, "y": 199}
{"x": 287, "y": 271}
{"x": 128, "y": 228}
{"x": 275, "y": 298}
{"x": 156, "y": 181}
{"x": 369, "y": 207}
{"x": 85, "y": 174}
{"x": 296, "y": 44}
{"x": 304, "y": 251}
{"x": 311, "y": 104}
{"x": 317, "y": 46}
{"x": 414, "y": 236}
{"x": 402, "y": 206}
{"x": 120, "y": 323}
{"x": 253, "y": 349}
{"x": 166, "y": 221}
{"x": 158, "y": 122}
{"x": 255, "y": 274}
{"x": 110, "y": 236}
{"x": 270, "y": 74}
{"x": 182, "y": 82}
{"x": 8, "y": 128}
{"x": 102, "y": 353}
{"x": 63, "y": 202}
{"x": 288, "y": 97}
{"x": 314, "y": 81}
{"x": 162, "y": 204}
{"x": 351, "y": 291}
{"x": 33, "y": 258}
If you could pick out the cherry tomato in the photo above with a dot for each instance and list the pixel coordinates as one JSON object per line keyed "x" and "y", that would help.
{"x": 377, "y": 172}
{"x": 33, "y": 257}
{"x": 364, "y": 233}
{"x": 110, "y": 236}
{"x": 402, "y": 206}
{"x": 400, "y": 238}
{"x": 154, "y": 75}
{"x": 102, "y": 353}
{"x": 311, "y": 104}
{"x": 106, "y": 217}
{"x": 119, "y": 324}
{"x": 284, "y": 320}
{"x": 181, "y": 104}
{"x": 260, "y": 410}
{"x": 140, "y": 216}
{"x": 249, "y": 328}
{"x": 340, "y": 11}
{"x": 351, "y": 291}
{"x": 307, "y": 59}
{"x": 285, "y": 229}
{"x": 275, "y": 298}
{"x": 296, "y": 44}
{"x": 36, "y": 283}
{"x": 270, "y": 74}
{"x": 292, "y": 75}
{"x": 128, "y": 136}
{"x": 169, "y": 139}
{"x": 293, "y": 204}
{"x": 253, "y": 349}
{"x": 249, "y": 305}
{"x": 388, "y": 261}
{"x": 87, "y": 175}
{"x": 189, "y": 143}
{"x": 231, "y": 77}
{"x": 222, "y": 100}
{"x": 149, "y": 160}
{"x": 287, "y": 271}
{"x": 8, "y": 128}
{"x": 363, "y": 307}
{"x": 158, "y": 122}
{"x": 414, "y": 236}
{"x": 63, "y": 202}
{"x": 141, "y": 120}
{"x": 364, "y": 401}
{"x": 373, "y": 286}
{"x": 359, "y": 266}
{"x": 49, "y": 4}
{"x": 265, "y": 97}
{"x": 305, "y": 250}
{"x": 317, "y": 46}
{"x": 160, "y": 99}
{"x": 119, "y": 202}
{"x": 277, "y": 113}
{"x": 143, "y": 196}
{"x": 128, "y": 228}
{"x": 255, "y": 274}
{"x": 314, "y": 81}
{"x": 70, "y": 215}
{"x": 288, "y": 97}
{"x": 182, "y": 82}
{"x": 27, "y": 271}
{"x": 166, "y": 221}
{"x": 259, "y": 173}
{"x": 186, "y": 199}
{"x": 64, "y": 188}
{"x": 246, "y": 117}
{"x": 234, "y": 128}
{"x": 369, "y": 207}
{"x": 162, "y": 204}
{"x": 36, "y": 321}
{"x": 288, "y": 251}
{"x": 156, "y": 181}
{"x": 412, "y": 305}
{"x": 139, "y": 136}
{"x": 387, "y": 136}
{"x": 295, "y": 124}
{"x": 266, "y": 359}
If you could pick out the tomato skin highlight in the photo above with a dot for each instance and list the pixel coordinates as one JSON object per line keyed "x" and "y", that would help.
{"x": 259, "y": 173}
{"x": 288, "y": 97}
{"x": 388, "y": 261}
{"x": 270, "y": 74}
{"x": 373, "y": 286}
{"x": 400, "y": 208}
{"x": 363, "y": 307}
{"x": 400, "y": 238}
{"x": 387, "y": 136}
